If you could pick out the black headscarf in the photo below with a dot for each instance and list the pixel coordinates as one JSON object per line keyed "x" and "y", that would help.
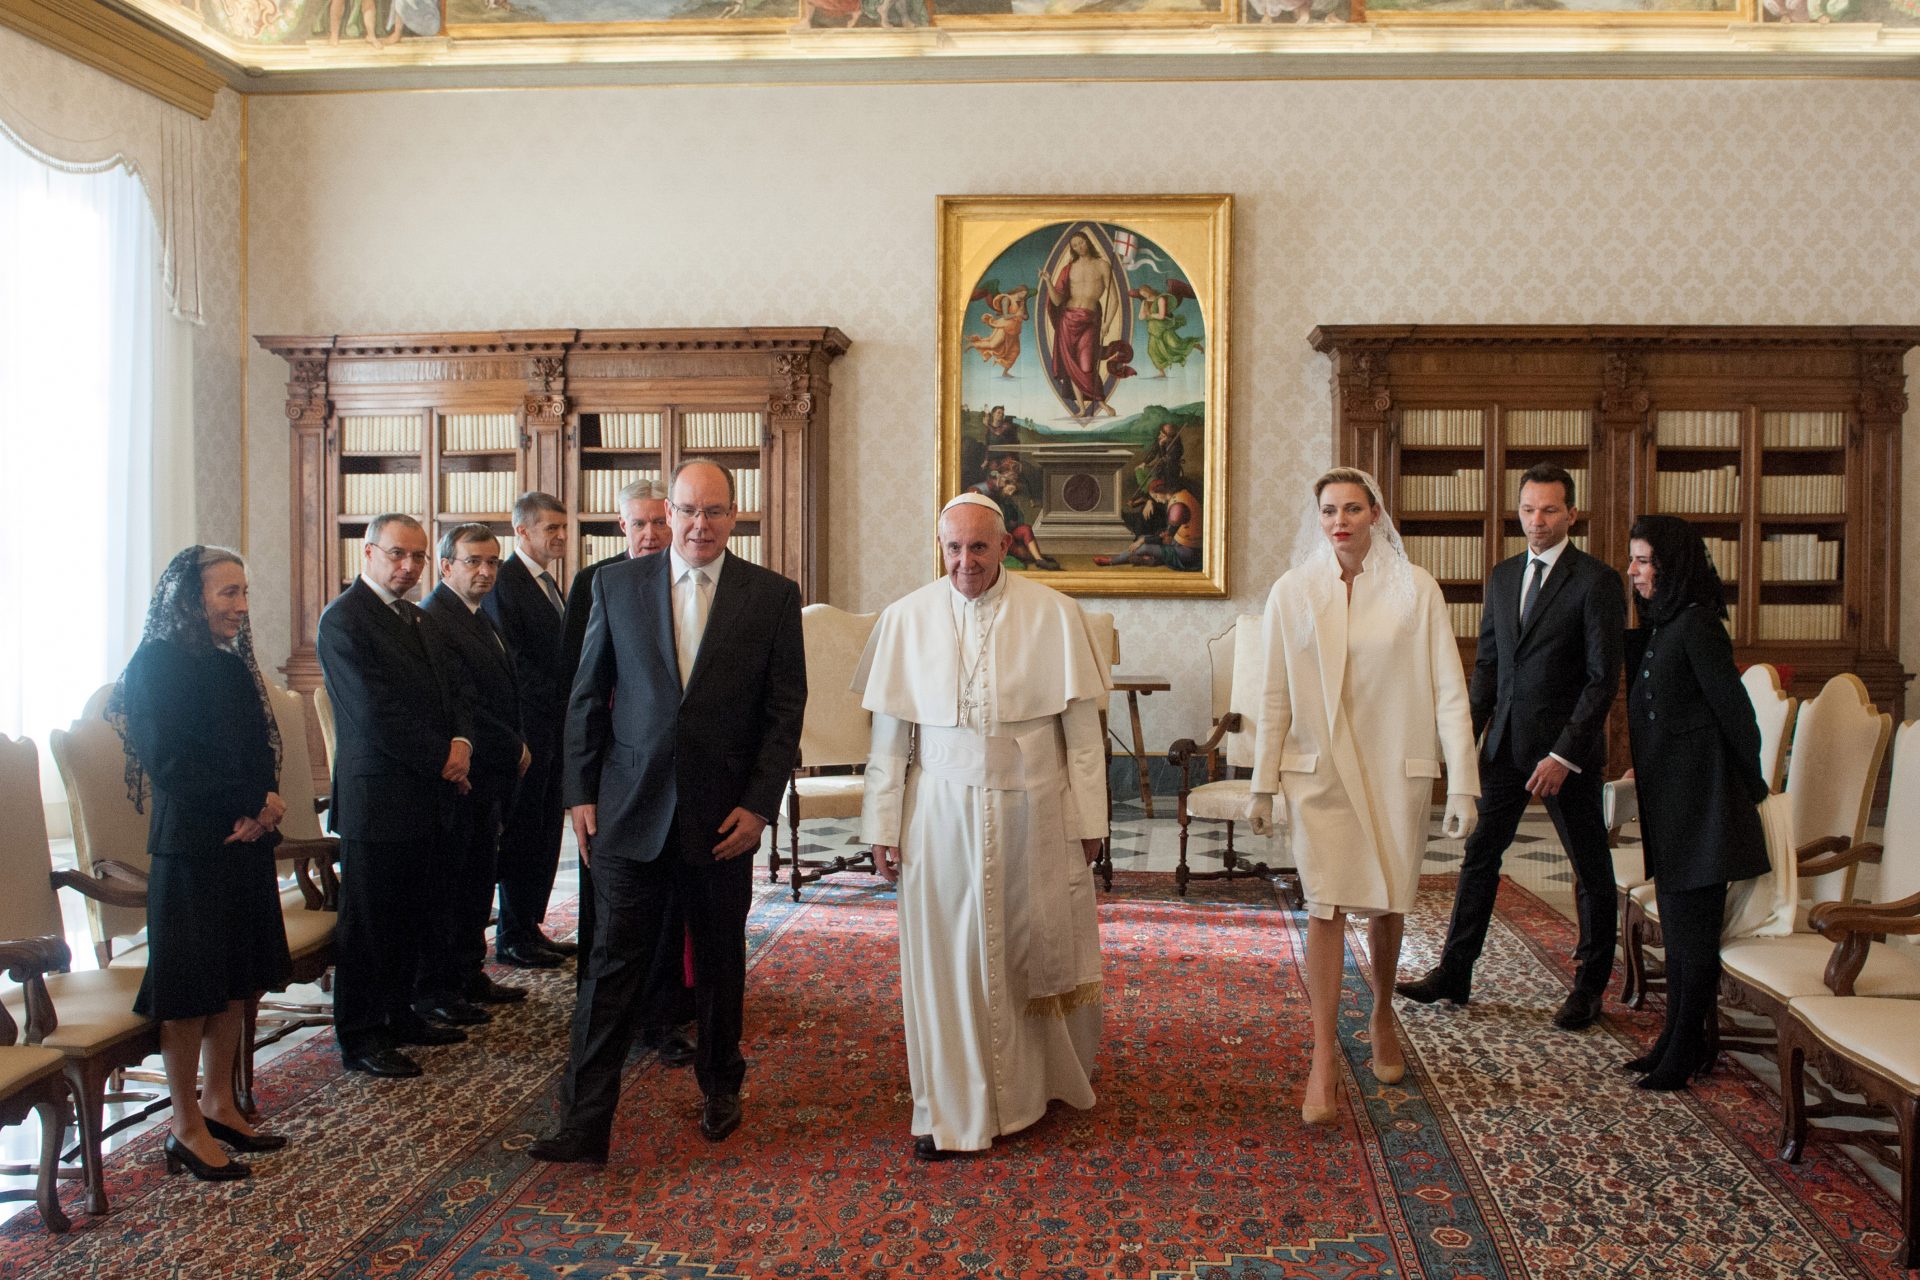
{"x": 1683, "y": 573}
{"x": 177, "y": 613}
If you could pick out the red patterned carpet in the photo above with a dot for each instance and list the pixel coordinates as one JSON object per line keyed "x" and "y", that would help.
{"x": 1512, "y": 1149}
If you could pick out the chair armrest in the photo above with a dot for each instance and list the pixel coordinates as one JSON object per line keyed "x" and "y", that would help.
{"x": 1821, "y": 857}
{"x": 322, "y": 803}
{"x": 119, "y": 873}
{"x": 317, "y": 893}
{"x": 1854, "y": 926}
{"x": 1186, "y": 748}
{"x": 28, "y": 961}
{"x": 113, "y": 892}
{"x": 325, "y": 849}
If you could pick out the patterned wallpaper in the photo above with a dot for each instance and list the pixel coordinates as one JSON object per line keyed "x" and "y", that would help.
{"x": 1529, "y": 202}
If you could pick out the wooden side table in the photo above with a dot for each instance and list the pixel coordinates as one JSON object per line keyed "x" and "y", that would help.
{"x": 1134, "y": 687}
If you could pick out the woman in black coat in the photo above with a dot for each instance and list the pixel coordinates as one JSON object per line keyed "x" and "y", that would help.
{"x": 1696, "y": 759}
{"x": 193, "y": 714}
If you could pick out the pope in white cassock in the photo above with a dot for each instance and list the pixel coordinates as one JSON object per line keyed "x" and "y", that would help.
{"x": 986, "y": 800}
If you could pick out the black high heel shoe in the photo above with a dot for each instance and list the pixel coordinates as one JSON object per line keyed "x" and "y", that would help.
{"x": 1639, "y": 1066}
{"x": 251, "y": 1142}
{"x": 180, "y": 1156}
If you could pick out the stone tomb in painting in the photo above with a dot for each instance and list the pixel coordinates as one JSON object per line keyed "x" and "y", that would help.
{"x": 1083, "y": 493}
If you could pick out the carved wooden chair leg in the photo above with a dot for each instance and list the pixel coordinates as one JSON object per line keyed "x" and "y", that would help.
{"x": 46, "y": 1187}
{"x": 1635, "y": 995}
{"x": 1180, "y": 872}
{"x": 1908, "y": 1114}
{"x": 793, "y": 844}
{"x": 89, "y": 1101}
{"x": 1793, "y": 1097}
{"x": 1232, "y": 862}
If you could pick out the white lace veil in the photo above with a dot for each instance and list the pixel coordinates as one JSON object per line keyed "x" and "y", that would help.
{"x": 1314, "y": 557}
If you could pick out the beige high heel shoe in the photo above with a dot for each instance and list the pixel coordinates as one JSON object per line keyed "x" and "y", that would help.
{"x": 1311, "y": 1114}
{"x": 1387, "y": 1075}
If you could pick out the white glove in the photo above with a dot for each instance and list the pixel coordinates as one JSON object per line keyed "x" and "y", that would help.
{"x": 1463, "y": 815}
{"x": 1267, "y": 814}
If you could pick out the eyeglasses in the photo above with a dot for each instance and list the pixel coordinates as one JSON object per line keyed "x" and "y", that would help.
{"x": 474, "y": 562}
{"x": 397, "y": 554}
{"x": 713, "y": 513}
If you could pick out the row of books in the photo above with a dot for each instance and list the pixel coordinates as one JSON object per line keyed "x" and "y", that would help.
{"x": 380, "y": 433}
{"x": 1725, "y": 554}
{"x": 598, "y": 546}
{"x": 1803, "y": 495}
{"x": 630, "y": 430}
{"x": 600, "y": 490}
{"x": 1511, "y": 494}
{"x": 374, "y": 493}
{"x": 477, "y": 491}
{"x": 1453, "y": 427}
{"x": 350, "y": 552}
{"x": 1802, "y": 622}
{"x": 1803, "y": 430}
{"x": 1549, "y": 428}
{"x": 1714, "y": 490}
{"x": 747, "y": 546}
{"x": 474, "y": 432}
{"x": 1450, "y": 556}
{"x": 1697, "y": 428}
{"x": 1460, "y": 491}
{"x": 1465, "y": 617}
{"x": 720, "y": 430}
{"x": 1798, "y": 557}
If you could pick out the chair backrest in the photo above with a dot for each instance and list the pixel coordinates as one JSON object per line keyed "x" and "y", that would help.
{"x": 106, "y": 825}
{"x": 837, "y": 730}
{"x": 1246, "y": 670}
{"x": 28, "y": 908}
{"x": 1900, "y": 860}
{"x": 1106, "y": 639}
{"x": 323, "y": 712}
{"x": 1773, "y": 707}
{"x": 296, "y": 766}
{"x": 1839, "y": 740}
{"x": 97, "y": 702}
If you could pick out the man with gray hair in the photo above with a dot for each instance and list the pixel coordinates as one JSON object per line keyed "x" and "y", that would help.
{"x": 527, "y": 607}
{"x": 986, "y": 800}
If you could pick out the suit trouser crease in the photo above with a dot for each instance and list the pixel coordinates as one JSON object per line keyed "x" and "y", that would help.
{"x": 462, "y": 893}
{"x": 530, "y": 849}
{"x": 1577, "y": 818}
{"x": 378, "y": 939}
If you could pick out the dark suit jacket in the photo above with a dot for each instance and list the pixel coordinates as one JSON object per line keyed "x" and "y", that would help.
{"x": 397, "y": 707}
{"x": 1696, "y": 754}
{"x": 488, "y": 670}
{"x": 519, "y": 607}
{"x": 665, "y": 768}
{"x": 579, "y": 609}
{"x": 1547, "y": 687}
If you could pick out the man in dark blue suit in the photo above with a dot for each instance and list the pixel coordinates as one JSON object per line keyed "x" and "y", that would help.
{"x": 682, "y": 733}
{"x": 453, "y": 981}
{"x": 404, "y": 746}
{"x": 527, "y": 608}
{"x": 1548, "y": 667}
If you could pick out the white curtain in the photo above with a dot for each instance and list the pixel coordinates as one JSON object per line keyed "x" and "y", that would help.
{"x": 96, "y": 466}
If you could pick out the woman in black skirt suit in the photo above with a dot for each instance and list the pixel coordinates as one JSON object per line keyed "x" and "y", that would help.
{"x": 1696, "y": 758}
{"x": 193, "y": 714}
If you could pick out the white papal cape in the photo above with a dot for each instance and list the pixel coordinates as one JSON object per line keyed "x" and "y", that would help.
{"x": 999, "y": 945}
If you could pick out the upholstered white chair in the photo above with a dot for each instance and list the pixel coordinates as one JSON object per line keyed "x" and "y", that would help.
{"x": 33, "y": 1080}
{"x": 1858, "y": 1024}
{"x": 835, "y": 736}
{"x": 1237, "y": 658}
{"x": 106, "y": 828}
{"x": 1106, "y": 639}
{"x": 88, "y": 1017}
{"x": 1839, "y": 742}
{"x": 323, "y": 712}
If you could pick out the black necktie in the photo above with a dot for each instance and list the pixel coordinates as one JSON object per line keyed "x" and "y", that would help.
{"x": 1533, "y": 588}
{"x": 409, "y": 615}
{"x": 553, "y": 592}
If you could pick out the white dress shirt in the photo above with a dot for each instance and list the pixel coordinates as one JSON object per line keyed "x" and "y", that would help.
{"x": 686, "y": 631}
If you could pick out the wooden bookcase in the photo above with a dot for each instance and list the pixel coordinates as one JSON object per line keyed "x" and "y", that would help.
{"x": 451, "y": 427}
{"x": 1782, "y": 443}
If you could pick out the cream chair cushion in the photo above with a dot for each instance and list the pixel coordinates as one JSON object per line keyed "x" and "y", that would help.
{"x": 1881, "y": 1035}
{"x": 1220, "y": 801}
{"x": 307, "y": 931}
{"x": 837, "y": 796}
{"x": 94, "y": 1009}
{"x": 1839, "y": 739}
{"x": 22, "y": 1064}
{"x": 1793, "y": 967}
{"x": 106, "y": 825}
{"x": 836, "y": 729}
{"x": 1629, "y": 868}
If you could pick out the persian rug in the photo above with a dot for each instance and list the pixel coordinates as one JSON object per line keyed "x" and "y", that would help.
{"x": 1511, "y": 1149}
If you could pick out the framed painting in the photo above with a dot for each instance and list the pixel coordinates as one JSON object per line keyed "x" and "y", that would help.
{"x": 1082, "y": 363}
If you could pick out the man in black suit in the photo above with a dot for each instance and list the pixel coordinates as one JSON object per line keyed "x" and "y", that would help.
{"x": 402, "y": 754}
{"x": 453, "y": 981}
{"x": 681, "y": 735}
{"x": 666, "y": 1002}
{"x": 527, "y": 607}
{"x": 1547, "y": 671}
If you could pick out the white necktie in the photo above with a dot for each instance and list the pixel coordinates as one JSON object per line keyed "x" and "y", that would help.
{"x": 691, "y": 623}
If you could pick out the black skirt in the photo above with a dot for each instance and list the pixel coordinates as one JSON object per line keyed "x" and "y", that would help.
{"x": 214, "y": 932}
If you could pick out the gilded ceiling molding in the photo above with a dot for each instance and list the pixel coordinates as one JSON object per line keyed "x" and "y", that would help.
{"x": 106, "y": 40}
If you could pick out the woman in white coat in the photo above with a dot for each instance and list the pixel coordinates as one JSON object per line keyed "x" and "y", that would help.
{"x": 1365, "y": 697}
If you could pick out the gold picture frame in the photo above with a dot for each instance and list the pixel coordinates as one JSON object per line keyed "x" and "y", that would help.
{"x": 1081, "y": 365}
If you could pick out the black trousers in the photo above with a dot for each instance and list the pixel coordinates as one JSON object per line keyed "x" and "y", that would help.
{"x": 665, "y": 1000}
{"x": 633, "y": 903}
{"x": 460, "y": 895}
{"x": 1577, "y": 817}
{"x": 1690, "y": 922}
{"x": 530, "y": 848}
{"x": 379, "y": 939}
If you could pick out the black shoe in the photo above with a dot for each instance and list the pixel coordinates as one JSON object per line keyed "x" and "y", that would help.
{"x": 675, "y": 1048}
{"x": 390, "y": 1064}
{"x": 720, "y": 1117}
{"x": 454, "y": 1013}
{"x": 1582, "y": 1009}
{"x": 1640, "y": 1065}
{"x": 925, "y": 1148}
{"x": 1664, "y": 1081}
{"x": 568, "y": 1146}
{"x": 527, "y": 957}
{"x": 253, "y": 1142}
{"x": 180, "y": 1156}
{"x": 418, "y": 1030}
{"x": 557, "y": 946}
{"x": 485, "y": 990}
{"x": 1438, "y": 985}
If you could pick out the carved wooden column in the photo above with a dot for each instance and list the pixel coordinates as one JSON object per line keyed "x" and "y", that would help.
{"x": 543, "y": 422}
{"x": 1362, "y": 400}
{"x": 1625, "y": 432}
{"x": 796, "y": 461}
{"x": 1875, "y": 593}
